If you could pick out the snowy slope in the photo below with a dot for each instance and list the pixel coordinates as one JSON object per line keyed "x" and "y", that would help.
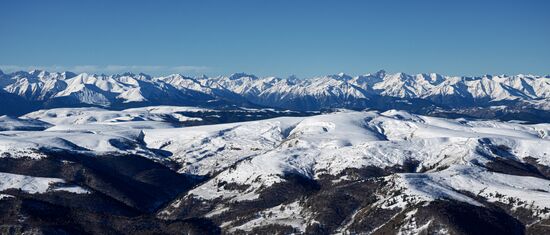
{"x": 31, "y": 184}
{"x": 340, "y": 172}
{"x": 98, "y": 115}
{"x": 120, "y": 90}
{"x": 329, "y": 144}
{"x": 11, "y": 124}
{"x": 92, "y": 130}
{"x": 450, "y": 157}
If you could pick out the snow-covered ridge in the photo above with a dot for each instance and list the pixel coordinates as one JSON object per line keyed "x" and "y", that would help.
{"x": 332, "y": 91}
{"x": 314, "y": 146}
{"x": 275, "y": 169}
{"x": 32, "y": 184}
{"x": 93, "y": 130}
{"x": 451, "y": 161}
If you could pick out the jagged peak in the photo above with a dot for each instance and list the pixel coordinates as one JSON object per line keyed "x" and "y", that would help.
{"x": 236, "y": 76}
{"x": 20, "y": 73}
{"x": 39, "y": 73}
{"x": 401, "y": 76}
{"x": 202, "y": 77}
{"x": 68, "y": 74}
{"x": 487, "y": 76}
{"x": 431, "y": 77}
{"x": 127, "y": 74}
{"x": 293, "y": 77}
{"x": 178, "y": 76}
{"x": 145, "y": 76}
{"x": 435, "y": 75}
{"x": 380, "y": 73}
{"x": 392, "y": 85}
{"x": 35, "y": 71}
{"x": 340, "y": 77}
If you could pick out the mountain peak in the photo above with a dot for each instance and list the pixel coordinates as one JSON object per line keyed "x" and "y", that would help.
{"x": 145, "y": 76}
{"x": 202, "y": 77}
{"x": 380, "y": 73}
{"x": 237, "y": 76}
{"x": 38, "y": 72}
{"x": 128, "y": 74}
{"x": 292, "y": 77}
{"x": 334, "y": 91}
{"x": 341, "y": 77}
{"x": 68, "y": 74}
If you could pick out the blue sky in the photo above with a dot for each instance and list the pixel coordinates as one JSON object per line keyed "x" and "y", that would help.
{"x": 278, "y": 37}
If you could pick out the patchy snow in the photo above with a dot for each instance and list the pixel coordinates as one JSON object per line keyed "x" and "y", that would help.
{"x": 70, "y": 116}
{"x": 13, "y": 124}
{"x": 287, "y": 214}
{"x": 30, "y": 184}
{"x": 518, "y": 191}
{"x": 4, "y": 196}
{"x": 331, "y": 143}
{"x": 14, "y": 148}
{"x": 90, "y": 138}
{"x": 167, "y": 109}
{"x": 252, "y": 156}
{"x": 411, "y": 226}
{"x": 207, "y": 149}
{"x": 94, "y": 138}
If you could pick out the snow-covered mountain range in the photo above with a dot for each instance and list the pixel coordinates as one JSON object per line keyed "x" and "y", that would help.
{"x": 372, "y": 154}
{"x": 421, "y": 93}
{"x": 160, "y": 169}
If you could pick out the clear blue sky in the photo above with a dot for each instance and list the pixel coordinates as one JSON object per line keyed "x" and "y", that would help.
{"x": 278, "y": 37}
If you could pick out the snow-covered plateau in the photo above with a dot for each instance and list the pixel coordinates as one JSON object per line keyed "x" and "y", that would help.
{"x": 198, "y": 170}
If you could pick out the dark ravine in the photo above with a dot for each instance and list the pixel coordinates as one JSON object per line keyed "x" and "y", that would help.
{"x": 125, "y": 193}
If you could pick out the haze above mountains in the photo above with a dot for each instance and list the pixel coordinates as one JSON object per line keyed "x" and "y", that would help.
{"x": 523, "y": 97}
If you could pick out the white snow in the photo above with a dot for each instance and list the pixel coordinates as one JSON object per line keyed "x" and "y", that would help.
{"x": 286, "y": 214}
{"x": 3, "y": 196}
{"x": 411, "y": 226}
{"x": 12, "y": 124}
{"x": 104, "y": 90}
{"x": 102, "y": 116}
{"x": 30, "y": 184}
{"x": 330, "y": 143}
{"x": 254, "y": 155}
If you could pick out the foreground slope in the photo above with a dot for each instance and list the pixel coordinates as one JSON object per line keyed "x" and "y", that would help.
{"x": 342, "y": 172}
{"x": 355, "y": 171}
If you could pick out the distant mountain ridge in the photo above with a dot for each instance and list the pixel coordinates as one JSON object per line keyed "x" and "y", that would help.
{"x": 420, "y": 93}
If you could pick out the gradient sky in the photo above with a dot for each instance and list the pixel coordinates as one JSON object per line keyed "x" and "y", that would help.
{"x": 278, "y": 37}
